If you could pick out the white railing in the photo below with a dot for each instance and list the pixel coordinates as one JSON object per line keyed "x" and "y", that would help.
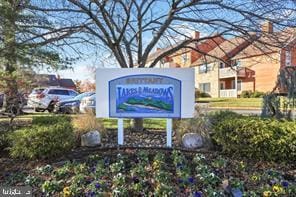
{"x": 228, "y": 93}
{"x": 230, "y": 72}
{"x": 226, "y": 72}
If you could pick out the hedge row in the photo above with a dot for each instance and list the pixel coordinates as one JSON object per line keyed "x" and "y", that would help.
{"x": 49, "y": 136}
{"x": 253, "y": 137}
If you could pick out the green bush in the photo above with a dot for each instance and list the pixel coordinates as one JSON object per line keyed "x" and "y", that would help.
{"x": 4, "y": 142}
{"x": 42, "y": 141}
{"x": 246, "y": 94}
{"x": 257, "y": 94}
{"x": 219, "y": 116}
{"x": 250, "y": 94}
{"x": 252, "y": 137}
{"x": 50, "y": 120}
{"x": 199, "y": 94}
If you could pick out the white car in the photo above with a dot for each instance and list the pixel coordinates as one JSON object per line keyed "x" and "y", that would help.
{"x": 42, "y": 99}
{"x": 88, "y": 104}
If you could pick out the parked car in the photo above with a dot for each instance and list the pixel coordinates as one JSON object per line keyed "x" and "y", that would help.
{"x": 22, "y": 102}
{"x": 71, "y": 106}
{"x": 42, "y": 99}
{"x": 88, "y": 104}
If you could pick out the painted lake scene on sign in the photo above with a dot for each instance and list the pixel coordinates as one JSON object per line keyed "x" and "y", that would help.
{"x": 145, "y": 95}
{"x": 145, "y": 98}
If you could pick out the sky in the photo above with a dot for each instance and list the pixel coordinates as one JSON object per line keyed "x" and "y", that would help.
{"x": 80, "y": 70}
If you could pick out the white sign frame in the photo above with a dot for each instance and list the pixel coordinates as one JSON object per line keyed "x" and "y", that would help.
{"x": 187, "y": 101}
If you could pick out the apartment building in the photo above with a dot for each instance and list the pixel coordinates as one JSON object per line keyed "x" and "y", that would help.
{"x": 216, "y": 73}
{"x": 241, "y": 64}
{"x": 186, "y": 56}
{"x": 231, "y": 66}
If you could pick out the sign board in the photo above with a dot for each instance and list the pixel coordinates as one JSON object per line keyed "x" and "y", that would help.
{"x": 145, "y": 92}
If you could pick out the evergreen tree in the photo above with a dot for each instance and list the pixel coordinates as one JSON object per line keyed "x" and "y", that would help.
{"x": 28, "y": 40}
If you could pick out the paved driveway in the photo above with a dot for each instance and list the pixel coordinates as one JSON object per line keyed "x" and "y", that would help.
{"x": 205, "y": 107}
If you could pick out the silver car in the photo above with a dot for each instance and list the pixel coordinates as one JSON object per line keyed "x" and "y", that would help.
{"x": 88, "y": 104}
{"x": 42, "y": 99}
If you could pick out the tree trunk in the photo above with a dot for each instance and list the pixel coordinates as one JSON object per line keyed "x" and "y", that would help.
{"x": 137, "y": 124}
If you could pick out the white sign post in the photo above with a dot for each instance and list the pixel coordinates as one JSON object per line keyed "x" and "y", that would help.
{"x": 169, "y": 125}
{"x": 120, "y": 127}
{"x": 145, "y": 93}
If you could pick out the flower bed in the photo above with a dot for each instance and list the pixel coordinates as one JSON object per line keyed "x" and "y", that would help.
{"x": 155, "y": 173}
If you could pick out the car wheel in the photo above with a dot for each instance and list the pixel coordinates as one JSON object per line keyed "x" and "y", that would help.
{"x": 39, "y": 110}
{"x": 50, "y": 108}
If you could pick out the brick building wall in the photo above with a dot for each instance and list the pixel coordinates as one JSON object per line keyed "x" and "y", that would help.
{"x": 266, "y": 69}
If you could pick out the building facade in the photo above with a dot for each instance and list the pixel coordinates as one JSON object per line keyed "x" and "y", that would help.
{"x": 230, "y": 66}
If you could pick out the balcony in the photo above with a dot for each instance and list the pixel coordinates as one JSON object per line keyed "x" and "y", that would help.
{"x": 230, "y": 72}
{"x": 229, "y": 93}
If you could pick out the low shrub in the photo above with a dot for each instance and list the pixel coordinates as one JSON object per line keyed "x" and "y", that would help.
{"x": 246, "y": 94}
{"x": 4, "y": 141}
{"x": 85, "y": 123}
{"x": 42, "y": 141}
{"x": 50, "y": 120}
{"x": 199, "y": 94}
{"x": 257, "y": 94}
{"x": 251, "y": 94}
{"x": 252, "y": 137}
{"x": 198, "y": 124}
{"x": 219, "y": 116}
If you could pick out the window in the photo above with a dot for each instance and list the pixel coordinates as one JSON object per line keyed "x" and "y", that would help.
{"x": 288, "y": 58}
{"x": 221, "y": 65}
{"x": 72, "y": 93}
{"x": 204, "y": 68}
{"x": 86, "y": 94}
{"x": 205, "y": 87}
{"x": 184, "y": 57}
{"x": 222, "y": 85}
{"x": 236, "y": 63}
{"x": 58, "y": 92}
{"x": 239, "y": 84}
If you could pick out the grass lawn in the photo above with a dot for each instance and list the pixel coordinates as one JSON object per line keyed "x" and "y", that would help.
{"x": 233, "y": 102}
{"x": 156, "y": 123}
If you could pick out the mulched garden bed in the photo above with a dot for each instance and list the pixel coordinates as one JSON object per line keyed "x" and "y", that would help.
{"x": 129, "y": 171}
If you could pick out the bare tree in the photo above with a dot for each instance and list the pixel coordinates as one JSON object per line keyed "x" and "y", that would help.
{"x": 131, "y": 29}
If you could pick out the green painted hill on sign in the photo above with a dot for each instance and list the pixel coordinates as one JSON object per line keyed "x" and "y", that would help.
{"x": 151, "y": 103}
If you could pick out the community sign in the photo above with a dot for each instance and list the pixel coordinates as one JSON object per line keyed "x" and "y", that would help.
{"x": 144, "y": 93}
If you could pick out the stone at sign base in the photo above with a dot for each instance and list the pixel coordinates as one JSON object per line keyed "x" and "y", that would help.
{"x": 192, "y": 140}
{"x": 92, "y": 138}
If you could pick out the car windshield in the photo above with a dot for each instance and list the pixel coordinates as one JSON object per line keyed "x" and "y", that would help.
{"x": 81, "y": 96}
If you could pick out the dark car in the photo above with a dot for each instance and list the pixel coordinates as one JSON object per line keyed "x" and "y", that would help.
{"x": 71, "y": 106}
